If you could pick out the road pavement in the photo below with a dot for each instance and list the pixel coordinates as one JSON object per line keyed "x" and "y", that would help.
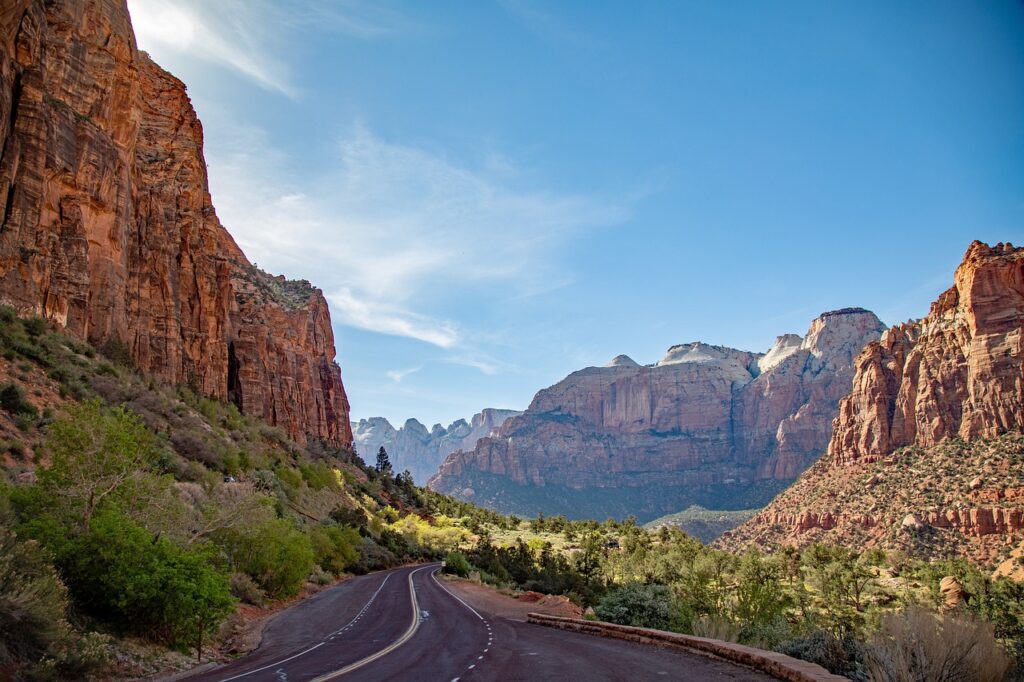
{"x": 405, "y": 624}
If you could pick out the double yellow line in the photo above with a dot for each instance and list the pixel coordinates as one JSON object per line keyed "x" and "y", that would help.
{"x": 406, "y": 636}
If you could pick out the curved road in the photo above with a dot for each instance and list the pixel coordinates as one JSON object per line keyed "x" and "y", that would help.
{"x": 404, "y": 624}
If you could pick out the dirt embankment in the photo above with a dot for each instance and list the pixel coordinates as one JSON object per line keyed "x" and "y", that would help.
{"x": 509, "y": 604}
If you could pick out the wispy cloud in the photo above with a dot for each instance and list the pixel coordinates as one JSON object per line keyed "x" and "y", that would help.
{"x": 393, "y": 229}
{"x": 396, "y": 375}
{"x": 243, "y": 35}
{"x": 387, "y": 319}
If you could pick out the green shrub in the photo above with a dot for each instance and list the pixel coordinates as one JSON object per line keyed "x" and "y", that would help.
{"x": 119, "y": 572}
{"x": 12, "y": 399}
{"x": 32, "y": 601}
{"x": 334, "y": 547}
{"x": 646, "y": 606}
{"x": 34, "y": 326}
{"x": 373, "y": 557}
{"x": 843, "y": 656}
{"x": 275, "y": 554}
{"x": 456, "y": 563}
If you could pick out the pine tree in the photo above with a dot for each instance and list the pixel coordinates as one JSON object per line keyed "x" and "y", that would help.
{"x": 383, "y": 462}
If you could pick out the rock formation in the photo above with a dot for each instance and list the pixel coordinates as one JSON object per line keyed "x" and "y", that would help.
{"x": 707, "y": 425}
{"x": 107, "y": 227}
{"x": 926, "y": 454}
{"x": 957, "y": 372}
{"x": 420, "y": 451}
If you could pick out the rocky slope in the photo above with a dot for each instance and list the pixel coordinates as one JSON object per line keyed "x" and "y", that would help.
{"x": 107, "y": 226}
{"x": 926, "y": 452}
{"x": 420, "y": 451}
{"x": 707, "y": 425}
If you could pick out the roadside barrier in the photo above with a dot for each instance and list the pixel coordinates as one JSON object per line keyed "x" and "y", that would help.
{"x": 777, "y": 665}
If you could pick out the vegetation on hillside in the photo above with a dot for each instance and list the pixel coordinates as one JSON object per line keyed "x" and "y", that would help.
{"x": 703, "y": 524}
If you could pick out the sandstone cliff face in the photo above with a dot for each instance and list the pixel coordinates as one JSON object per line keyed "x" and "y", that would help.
{"x": 107, "y": 226}
{"x": 705, "y": 425}
{"x": 926, "y": 454}
{"x": 957, "y": 372}
{"x": 420, "y": 451}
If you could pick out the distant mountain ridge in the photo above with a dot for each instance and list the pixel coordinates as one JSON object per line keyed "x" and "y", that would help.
{"x": 420, "y": 451}
{"x": 707, "y": 425}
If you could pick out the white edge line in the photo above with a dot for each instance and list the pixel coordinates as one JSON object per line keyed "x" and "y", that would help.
{"x": 315, "y": 646}
{"x": 453, "y": 595}
{"x": 301, "y": 653}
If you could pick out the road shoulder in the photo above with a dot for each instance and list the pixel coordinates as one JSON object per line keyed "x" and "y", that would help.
{"x": 508, "y": 604}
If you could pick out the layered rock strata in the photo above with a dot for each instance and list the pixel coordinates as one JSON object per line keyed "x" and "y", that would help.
{"x": 707, "y": 425}
{"x": 107, "y": 227}
{"x": 926, "y": 454}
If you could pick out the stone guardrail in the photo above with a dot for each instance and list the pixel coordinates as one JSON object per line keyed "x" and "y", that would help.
{"x": 777, "y": 665}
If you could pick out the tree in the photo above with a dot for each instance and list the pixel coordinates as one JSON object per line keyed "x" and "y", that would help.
{"x": 98, "y": 453}
{"x": 383, "y": 462}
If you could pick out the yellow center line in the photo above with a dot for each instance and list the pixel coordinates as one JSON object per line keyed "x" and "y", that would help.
{"x": 406, "y": 636}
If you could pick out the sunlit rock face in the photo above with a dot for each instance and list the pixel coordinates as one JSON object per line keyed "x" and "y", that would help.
{"x": 925, "y": 456}
{"x": 107, "y": 226}
{"x": 412, "y": 447}
{"x": 956, "y": 372}
{"x": 705, "y": 425}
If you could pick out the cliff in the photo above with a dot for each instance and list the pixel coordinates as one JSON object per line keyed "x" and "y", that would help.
{"x": 926, "y": 454}
{"x": 707, "y": 425}
{"x": 420, "y": 451}
{"x": 107, "y": 226}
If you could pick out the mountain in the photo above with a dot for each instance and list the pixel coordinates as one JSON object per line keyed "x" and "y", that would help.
{"x": 420, "y": 451}
{"x": 926, "y": 454}
{"x": 108, "y": 230}
{"x": 706, "y": 425}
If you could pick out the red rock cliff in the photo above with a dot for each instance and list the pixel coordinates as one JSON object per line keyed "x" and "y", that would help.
{"x": 107, "y": 226}
{"x": 950, "y": 386}
{"x": 957, "y": 372}
{"x": 706, "y": 425}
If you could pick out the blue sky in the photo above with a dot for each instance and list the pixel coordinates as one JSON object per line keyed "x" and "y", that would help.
{"x": 494, "y": 194}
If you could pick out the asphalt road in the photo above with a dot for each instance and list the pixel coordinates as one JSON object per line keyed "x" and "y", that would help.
{"x": 405, "y": 625}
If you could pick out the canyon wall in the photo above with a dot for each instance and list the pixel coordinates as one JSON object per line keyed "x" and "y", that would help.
{"x": 926, "y": 454}
{"x": 707, "y": 425}
{"x": 107, "y": 228}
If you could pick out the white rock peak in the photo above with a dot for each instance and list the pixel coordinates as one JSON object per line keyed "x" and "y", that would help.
{"x": 622, "y": 361}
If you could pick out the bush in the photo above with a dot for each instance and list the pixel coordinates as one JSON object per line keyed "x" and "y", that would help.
{"x": 334, "y": 547}
{"x": 32, "y": 601}
{"x": 34, "y": 326}
{"x": 245, "y": 589}
{"x": 75, "y": 657}
{"x": 456, "y": 563}
{"x": 920, "y": 645}
{"x": 12, "y": 399}
{"x": 275, "y": 554}
{"x": 120, "y": 572}
{"x": 840, "y": 656}
{"x": 373, "y": 557}
{"x": 646, "y": 606}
